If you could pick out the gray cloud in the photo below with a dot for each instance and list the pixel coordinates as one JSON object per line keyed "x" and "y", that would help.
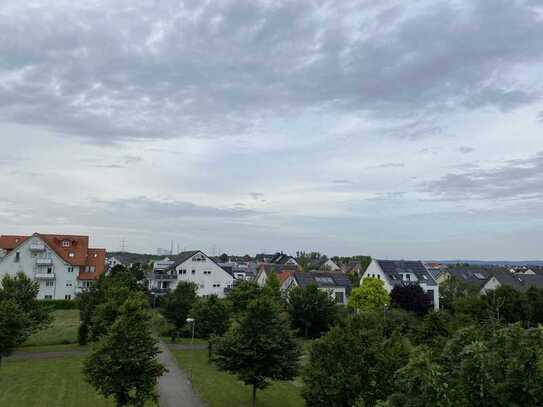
{"x": 218, "y": 68}
{"x": 515, "y": 179}
{"x": 386, "y": 165}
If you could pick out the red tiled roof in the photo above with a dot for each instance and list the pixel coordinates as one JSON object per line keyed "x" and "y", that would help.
{"x": 10, "y": 242}
{"x": 75, "y": 252}
{"x": 282, "y": 277}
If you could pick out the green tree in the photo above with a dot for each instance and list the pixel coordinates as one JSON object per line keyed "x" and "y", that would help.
{"x": 242, "y": 294}
{"x": 123, "y": 364}
{"x": 311, "y": 310}
{"x": 421, "y": 383}
{"x": 411, "y": 298}
{"x": 14, "y": 327}
{"x": 353, "y": 365}
{"x": 176, "y": 305}
{"x": 259, "y": 347}
{"x": 272, "y": 287}
{"x": 212, "y": 318}
{"x": 370, "y": 296}
{"x": 23, "y": 291}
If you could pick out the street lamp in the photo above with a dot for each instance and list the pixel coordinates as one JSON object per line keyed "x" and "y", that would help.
{"x": 193, "y": 322}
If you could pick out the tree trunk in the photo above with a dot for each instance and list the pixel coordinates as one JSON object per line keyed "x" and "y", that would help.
{"x": 254, "y": 395}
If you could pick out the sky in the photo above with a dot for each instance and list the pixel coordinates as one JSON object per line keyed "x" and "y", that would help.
{"x": 394, "y": 129}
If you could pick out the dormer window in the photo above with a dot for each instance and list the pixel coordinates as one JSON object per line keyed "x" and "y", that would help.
{"x": 71, "y": 254}
{"x": 65, "y": 243}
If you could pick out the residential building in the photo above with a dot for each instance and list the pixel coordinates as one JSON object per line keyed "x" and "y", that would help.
{"x": 193, "y": 266}
{"x": 337, "y": 285}
{"x": 63, "y": 265}
{"x": 520, "y": 282}
{"x": 283, "y": 259}
{"x": 401, "y": 272}
{"x": 265, "y": 269}
{"x": 328, "y": 265}
{"x": 475, "y": 277}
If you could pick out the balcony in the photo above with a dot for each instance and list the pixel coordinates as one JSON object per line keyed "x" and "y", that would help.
{"x": 37, "y": 247}
{"x": 159, "y": 276}
{"x": 44, "y": 262}
{"x": 44, "y": 276}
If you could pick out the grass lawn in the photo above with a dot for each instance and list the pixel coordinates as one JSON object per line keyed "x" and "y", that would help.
{"x": 63, "y": 330}
{"x": 54, "y": 348}
{"x": 221, "y": 389}
{"x": 48, "y": 383}
{"x": 52, "y": 382}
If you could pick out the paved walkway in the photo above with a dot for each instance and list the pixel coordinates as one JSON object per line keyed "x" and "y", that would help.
{"x": 174, "y": 389}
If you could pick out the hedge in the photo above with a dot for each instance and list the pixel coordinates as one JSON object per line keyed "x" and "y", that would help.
{"x": 62, "y": 304}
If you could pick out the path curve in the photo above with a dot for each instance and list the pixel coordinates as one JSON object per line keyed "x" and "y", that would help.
{"x": 174, "y": 389}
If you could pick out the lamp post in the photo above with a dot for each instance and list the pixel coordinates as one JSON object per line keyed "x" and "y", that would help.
{"x": 193, "y": 322}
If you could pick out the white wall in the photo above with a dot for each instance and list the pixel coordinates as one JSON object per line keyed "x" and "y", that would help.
{"x": 207, "y": 282}
{"x": 64, "y": 283}
{"x": 374, "y": 270}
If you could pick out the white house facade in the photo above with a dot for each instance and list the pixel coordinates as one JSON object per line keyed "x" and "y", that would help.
{"x": 196, "y": 267}
{"x": 62, "y": 265}
{"x": 400, "y": 272}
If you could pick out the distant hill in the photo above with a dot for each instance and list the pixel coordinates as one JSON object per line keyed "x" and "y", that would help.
{"x": 501, "y": 263}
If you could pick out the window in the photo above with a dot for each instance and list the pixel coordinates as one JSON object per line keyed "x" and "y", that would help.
{"x": 401, "y": 276}
{"x": 48, "y": 297}
{"x": 17, "y": 257}
{"x": 70, "y": 269}
{"x": 430, "y": 294}
{"x": 216, "y": 285}
{"x": 69, "y": 284}
{"x": 49, "y": 270}
{"x": 408, "y": 277}
{"x": 71, "y": 254}
{"x": 165, "y": 285}
{"x": 49, "y": 283}
{"x": 65, "y": 243}
{"x": 340, "y": 299}
{"x": 67, "y": 297}
{"x": 193, "y": 272}
{"x": 207, "y": 272}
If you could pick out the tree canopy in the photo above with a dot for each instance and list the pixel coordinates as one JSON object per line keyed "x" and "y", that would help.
{"x": 370, "y": 296}
{"x": 311, "y": 310}
{"x": 259, "y": 346}
{"x": 123, "y": 364}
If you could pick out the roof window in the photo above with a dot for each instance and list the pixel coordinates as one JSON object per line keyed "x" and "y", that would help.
{"x": 71, "y": 254}
{"x": 65, "y": 243}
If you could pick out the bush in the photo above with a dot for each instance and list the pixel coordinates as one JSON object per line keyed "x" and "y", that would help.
{"x": 60, "y": 304}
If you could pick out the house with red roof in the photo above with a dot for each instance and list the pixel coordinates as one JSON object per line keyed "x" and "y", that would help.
{"x": 63, "y": 265}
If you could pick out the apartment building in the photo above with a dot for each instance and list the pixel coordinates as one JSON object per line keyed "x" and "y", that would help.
{"x": 193, "y": 266}
{"x": 64, "y": 265}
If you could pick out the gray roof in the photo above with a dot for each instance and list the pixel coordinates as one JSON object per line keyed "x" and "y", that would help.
{"x": 281, "y": 258}
{"x": 322, "y": 279}
{"x": 472, "y": 276}
{"x": 182, "y": 257}
{"x": 521, "y": 282}
{"x": 393, "y": 269}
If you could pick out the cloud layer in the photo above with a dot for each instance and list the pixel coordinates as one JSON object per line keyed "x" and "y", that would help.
{"x": 334, "y": 125}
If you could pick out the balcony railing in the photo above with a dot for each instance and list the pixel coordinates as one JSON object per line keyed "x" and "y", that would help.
{"x": 159, "y": 290}
{"x": 159, "y": 276}
{"x": 44, "y": 262}
{"x": 45, "y": 276}
{"x": 37, "y": 247}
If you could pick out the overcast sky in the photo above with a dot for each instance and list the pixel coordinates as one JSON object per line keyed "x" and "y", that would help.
{"x": 390, "y": 128}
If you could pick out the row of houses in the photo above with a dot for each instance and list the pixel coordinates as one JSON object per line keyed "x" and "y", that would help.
{"x": 65, "y": 265}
